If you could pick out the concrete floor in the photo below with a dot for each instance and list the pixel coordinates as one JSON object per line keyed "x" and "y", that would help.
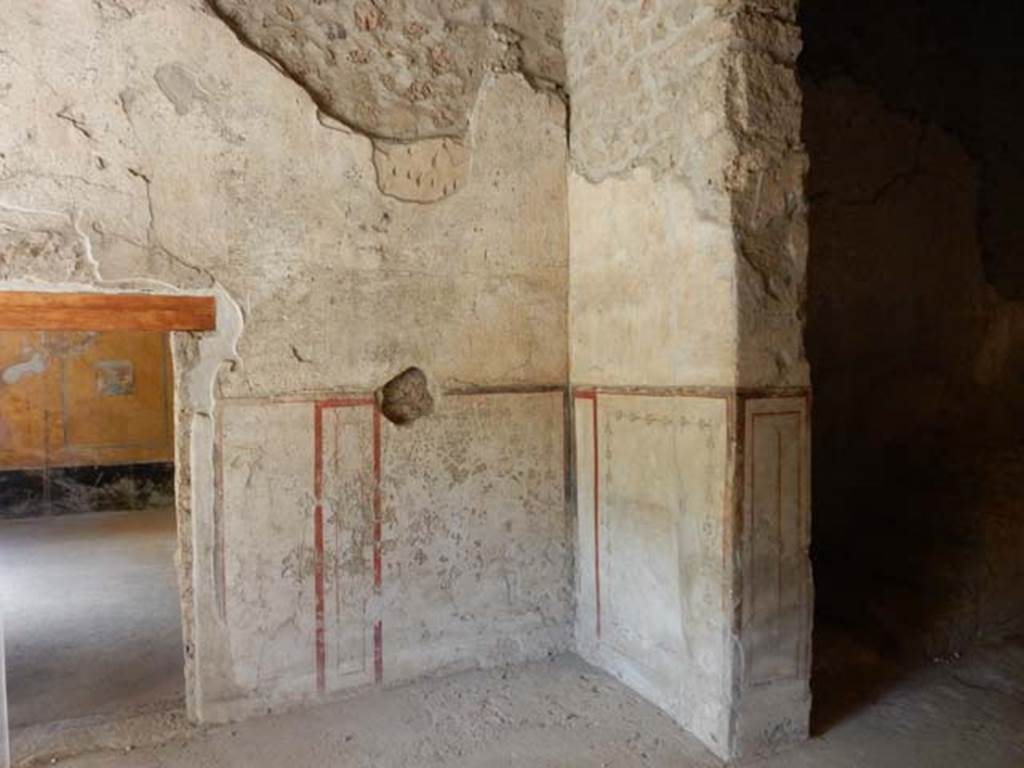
{"x": 969, "y": 712}
{"x": 91, "y": 615}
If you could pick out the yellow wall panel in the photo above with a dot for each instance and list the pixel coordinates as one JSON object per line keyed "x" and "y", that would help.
{"x": 25, "y": 377}
{"x": 72, "y": 399}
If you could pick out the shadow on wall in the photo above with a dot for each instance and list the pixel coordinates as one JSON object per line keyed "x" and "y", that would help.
{"x": 913, "y": 121}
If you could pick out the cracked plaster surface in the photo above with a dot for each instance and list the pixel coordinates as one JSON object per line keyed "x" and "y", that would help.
{"x": 186, "y": 159}
{"x": 688, "y": 253}
{"x": 695, "y": 102}
{"x": 400, "y": 69}
{"x": 152, "y": 151}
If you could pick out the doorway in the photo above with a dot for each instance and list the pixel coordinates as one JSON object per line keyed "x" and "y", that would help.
{"x": 915, "y": 332}
{"x": 88, "y": 534}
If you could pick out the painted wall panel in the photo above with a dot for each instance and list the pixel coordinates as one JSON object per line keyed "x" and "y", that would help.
{"x": 24, "y": 403}
{"x": 356, "y": 551}
{"x": 269, "y": 556}
{"x": 477, "y": 550}
{"x": 74, "y": 399}
{"x": 347, "y": 445}
{"x": 775, "y": 631}
{"x": 777, "y": 579}
{"x": 662, "y": 464}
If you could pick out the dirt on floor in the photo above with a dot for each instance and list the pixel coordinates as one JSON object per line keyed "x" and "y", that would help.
{"x": 955, "y": 712}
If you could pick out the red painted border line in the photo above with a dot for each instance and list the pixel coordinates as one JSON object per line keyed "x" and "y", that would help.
{"x": 318, "y": 546}
{"x": 345, "y": 402}
{"x": 378, "y": 522}
{"x": 319, "y": 407}
{"x": 718, "y": 392}
{"x": 751, "y": 545}
{"x": 377, "y": 519}
{"x": 592, "y": 396}
{"x": 318, "y": 452}
{"x": 597, "y": 522}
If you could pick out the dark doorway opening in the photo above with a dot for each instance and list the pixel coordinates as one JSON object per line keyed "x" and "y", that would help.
{"x": 914, "y": 113}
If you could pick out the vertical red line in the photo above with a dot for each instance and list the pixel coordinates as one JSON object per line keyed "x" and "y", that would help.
{"x": 597, "y": 522}
{"x": 318, "y": 545}
{"x": 779, "y": 524}
{"x": 318, "y": 452}
{"x": 378, "y": 575}
{"x": 781, "y": 542}
{"x": 591, "y": 395}
{"x": 749, "y": 546}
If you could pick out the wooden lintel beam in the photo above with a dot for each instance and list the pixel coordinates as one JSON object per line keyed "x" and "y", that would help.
{"x": 44, "y": 311}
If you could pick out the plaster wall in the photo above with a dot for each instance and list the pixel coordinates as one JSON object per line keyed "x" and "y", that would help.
{"x": 444, "y": 547}
{"x": 352, "y": 228}
{"x": 651, "y": 230}
{"x": 652, "y": 496}
{"x": 145, "y": 147}
{"x": 687, "y": 259}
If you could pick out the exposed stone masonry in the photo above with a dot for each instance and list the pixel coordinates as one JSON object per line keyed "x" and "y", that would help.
{"x": 400, "y": 69}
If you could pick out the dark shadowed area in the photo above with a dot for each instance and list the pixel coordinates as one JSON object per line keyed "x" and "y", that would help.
{"x": 913, "y": 118}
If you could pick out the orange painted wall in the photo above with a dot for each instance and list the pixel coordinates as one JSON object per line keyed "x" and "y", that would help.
{"x": 72, "y": 399}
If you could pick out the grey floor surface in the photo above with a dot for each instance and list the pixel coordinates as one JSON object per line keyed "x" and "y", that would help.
{"x": 91, "y": 614}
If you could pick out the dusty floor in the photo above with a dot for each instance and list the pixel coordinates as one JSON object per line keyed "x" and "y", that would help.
{"x": 91, "y": 614}
{"x": 969, "y": 712}
{"x": 91, "y": 611}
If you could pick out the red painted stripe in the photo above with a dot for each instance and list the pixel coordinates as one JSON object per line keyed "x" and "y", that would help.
{"x": 591, "y": 394}
{"x": 318, "y": 563}
{"x": 318, "y": 558}
{"x": 377, "y": 505}
{"x": 378, "y": 556}
{"x": 597, "y": 521}
{"x": 345, "y": 402}
{"x": 318, "y": 452}
{"x": 318, "y": 546}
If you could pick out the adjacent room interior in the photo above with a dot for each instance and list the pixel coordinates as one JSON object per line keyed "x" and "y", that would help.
{"x": 87, "y": 526}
